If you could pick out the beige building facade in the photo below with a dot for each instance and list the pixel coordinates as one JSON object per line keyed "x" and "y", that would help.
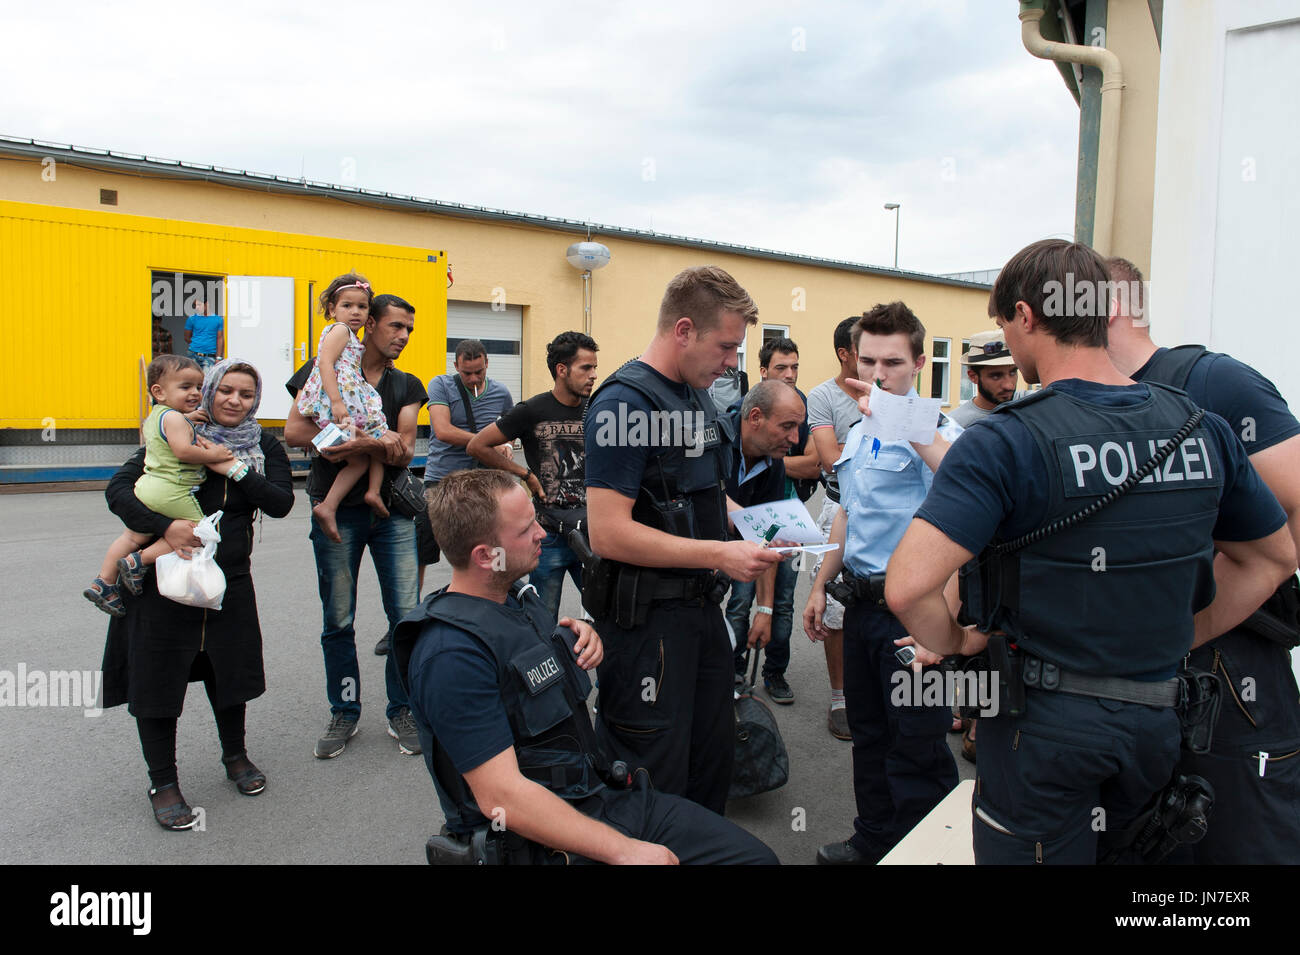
{"x": 501, "y": 265}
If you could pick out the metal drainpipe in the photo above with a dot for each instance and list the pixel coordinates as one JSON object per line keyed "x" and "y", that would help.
{"x": 1112, "y": 85}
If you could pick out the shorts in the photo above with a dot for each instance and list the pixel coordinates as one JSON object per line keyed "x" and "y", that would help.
{"x": 427, "y": 549}
{"x": 833, "y": 616}
{"x": 176, "y": 501}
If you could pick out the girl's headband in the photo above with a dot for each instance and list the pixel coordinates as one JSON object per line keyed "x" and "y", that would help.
{"x": 360, "y": 285}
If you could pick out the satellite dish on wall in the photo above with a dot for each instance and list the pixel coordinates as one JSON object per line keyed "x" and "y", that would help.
{"x": 587, "y": 256}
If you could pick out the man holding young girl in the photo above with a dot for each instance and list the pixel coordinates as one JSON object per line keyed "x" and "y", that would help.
{"x": 391, "y": 539}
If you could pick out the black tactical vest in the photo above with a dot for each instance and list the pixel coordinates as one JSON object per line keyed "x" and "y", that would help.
{"x": 1113, "y": 595}
{"x": 683, "y": 489}
{"x": 542, "y": 687}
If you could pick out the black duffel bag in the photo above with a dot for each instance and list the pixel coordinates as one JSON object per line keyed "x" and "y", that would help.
{"x": 761, "y": 762}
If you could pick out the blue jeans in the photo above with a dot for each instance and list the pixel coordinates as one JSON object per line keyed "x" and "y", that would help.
{"x": 205, "y": 361}
{"x": 392, "y": 549}
{"x": 548, "y": 576}
{"x": 777, "y": 654}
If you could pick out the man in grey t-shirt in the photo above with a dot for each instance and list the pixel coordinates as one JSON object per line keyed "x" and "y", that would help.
{"x": 991, "y": 368}
{"x": 456, "y": 414}
{"x": 832, "y": 411}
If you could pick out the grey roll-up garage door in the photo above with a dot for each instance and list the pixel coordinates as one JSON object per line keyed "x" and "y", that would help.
{"x": 501, "y": 333}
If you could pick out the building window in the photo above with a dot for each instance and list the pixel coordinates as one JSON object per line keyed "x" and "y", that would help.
{"x": 108, "y": 197}
{"x": 939, "y": 362}
{"x": 773, "y": 333}
{"x": 967, "y": 386}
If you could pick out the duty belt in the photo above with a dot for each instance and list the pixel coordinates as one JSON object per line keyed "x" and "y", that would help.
{"x": 685, "y": 588}
{"x": 1042, "y": 675}
{"x": 856, "y": 589}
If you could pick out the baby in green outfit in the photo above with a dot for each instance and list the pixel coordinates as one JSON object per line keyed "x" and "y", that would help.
{"x": 174, "y": 457}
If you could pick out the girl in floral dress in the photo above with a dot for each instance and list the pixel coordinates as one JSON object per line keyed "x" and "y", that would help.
{"x": 338, "y": 392}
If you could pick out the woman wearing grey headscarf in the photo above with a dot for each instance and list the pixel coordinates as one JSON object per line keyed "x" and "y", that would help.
{"x": 161, "y": 646}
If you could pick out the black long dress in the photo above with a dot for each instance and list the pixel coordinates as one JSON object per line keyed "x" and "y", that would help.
{"x": 151, "y": 652}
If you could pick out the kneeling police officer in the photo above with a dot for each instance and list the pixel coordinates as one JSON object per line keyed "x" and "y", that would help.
{"x": 1105, "y": 578}
{"x": 498, "y": 694}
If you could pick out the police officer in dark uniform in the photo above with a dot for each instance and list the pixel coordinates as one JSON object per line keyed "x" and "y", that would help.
{"x": 1088, "y": 617}
{"x": 657, "y": 461}
{"x": 498, "y": 694}
{"x": 1254, "y": 764}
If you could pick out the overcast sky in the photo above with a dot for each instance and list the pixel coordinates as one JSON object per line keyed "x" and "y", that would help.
{"x": 780, "y": 125}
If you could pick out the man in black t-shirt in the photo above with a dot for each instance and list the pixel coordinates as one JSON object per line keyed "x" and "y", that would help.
{"x": 391, "y": 539}
{"x": 549, "y": 426}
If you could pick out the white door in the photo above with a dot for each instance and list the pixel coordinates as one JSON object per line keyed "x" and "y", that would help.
{"x": 500, "y": 331}
{"x": 259, "y": 330}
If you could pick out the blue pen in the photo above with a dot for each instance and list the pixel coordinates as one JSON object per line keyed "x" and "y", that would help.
{"x": 875, "y": 442}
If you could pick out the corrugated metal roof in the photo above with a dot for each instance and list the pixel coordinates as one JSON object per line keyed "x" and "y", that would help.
{"x": 152, "y": 166}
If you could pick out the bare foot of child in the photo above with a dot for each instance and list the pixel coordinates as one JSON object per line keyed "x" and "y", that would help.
{"x": 376, "y": 503}
{"x": 324, "y": 515}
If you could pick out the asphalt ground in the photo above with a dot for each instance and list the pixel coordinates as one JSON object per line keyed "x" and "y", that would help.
{"x": 74, "y": 788}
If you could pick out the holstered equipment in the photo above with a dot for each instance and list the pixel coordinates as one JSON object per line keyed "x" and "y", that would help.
{"x": 851, "y": 589}
{"x": 1199, "y": 698}
{"x": 1278, "y": 619}
{"x": 625, "y": 592}
{"x": 480, "y": 847}
{"x": 1178, "y": 816}
{"x": 561, "y": 520}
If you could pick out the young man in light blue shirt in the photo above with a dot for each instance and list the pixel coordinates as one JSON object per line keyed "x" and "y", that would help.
{"x": 205, "y": 335}
{"x": 902, "y": 766}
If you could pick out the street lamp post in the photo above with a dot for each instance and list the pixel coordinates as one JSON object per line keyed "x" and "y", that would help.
{"x": 896, "y": 209}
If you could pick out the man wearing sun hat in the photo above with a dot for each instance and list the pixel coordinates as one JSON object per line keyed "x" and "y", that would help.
{"x": 992, "y": 370}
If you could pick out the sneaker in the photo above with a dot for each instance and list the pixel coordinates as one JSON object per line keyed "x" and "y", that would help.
{"x": 341, "y": 729}
{"x": 402, "y": 728}
{"x": 382, "y": 646}
{"x": 778, "y": 690}
{"x": 837, "y": 721}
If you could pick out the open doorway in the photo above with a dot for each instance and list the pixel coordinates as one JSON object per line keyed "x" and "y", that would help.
{"x": 174, "y": 297}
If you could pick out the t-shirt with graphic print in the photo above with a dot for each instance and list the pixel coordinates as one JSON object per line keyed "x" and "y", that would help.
{"x": 554, "y": 446}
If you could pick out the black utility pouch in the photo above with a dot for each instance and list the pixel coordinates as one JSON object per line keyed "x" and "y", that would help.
{"x": 633, "y": 593}
{"x": 1011, "y": 680}
{"x": 1199, "y": 698}
{"x": 676, "y": 517}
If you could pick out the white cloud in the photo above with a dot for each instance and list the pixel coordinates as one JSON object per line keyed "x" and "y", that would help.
{"x": 772, "y": 124}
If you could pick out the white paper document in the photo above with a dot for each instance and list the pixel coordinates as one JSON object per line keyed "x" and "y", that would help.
{"x": 787, "y": 521}
{"x": 901, "y": 417}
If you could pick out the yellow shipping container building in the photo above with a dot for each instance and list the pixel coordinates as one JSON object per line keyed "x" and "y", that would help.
{"x": 95, "y": 246}
{"x": 107, "y": 267}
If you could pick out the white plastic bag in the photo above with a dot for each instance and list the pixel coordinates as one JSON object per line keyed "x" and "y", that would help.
{"x": 197, "y": 582}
